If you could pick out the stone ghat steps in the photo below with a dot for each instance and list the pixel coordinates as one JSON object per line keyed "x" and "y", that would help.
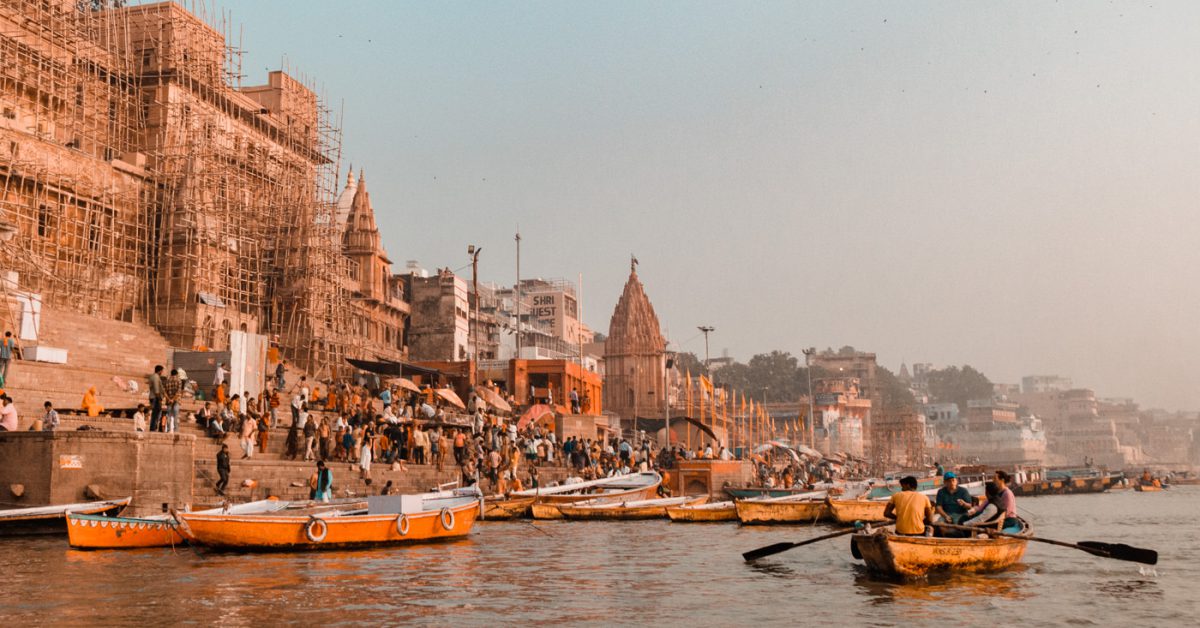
{"x": 274, "y": 475}
{"x": 93, "y": 342}
{"x": 33, "y": 383}
{"x": 277, "y": 477}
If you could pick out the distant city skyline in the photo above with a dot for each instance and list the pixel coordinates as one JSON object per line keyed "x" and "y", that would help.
{"x": 1009, "y": 186}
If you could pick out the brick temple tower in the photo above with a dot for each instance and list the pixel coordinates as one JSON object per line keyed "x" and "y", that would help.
{"x": 634, "y": 355}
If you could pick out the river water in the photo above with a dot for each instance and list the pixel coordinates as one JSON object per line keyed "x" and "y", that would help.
{"x": 604, "y": 573}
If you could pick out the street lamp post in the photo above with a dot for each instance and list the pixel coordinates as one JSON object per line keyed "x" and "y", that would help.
{"x": 518, "y": 240}
{"x": 705, "y": 329}
{"x": 808, "y": 354}
{"x": 474, "y": 252}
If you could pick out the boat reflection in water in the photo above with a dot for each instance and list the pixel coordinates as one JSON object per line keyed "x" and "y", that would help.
{"x": 966, "y": 590}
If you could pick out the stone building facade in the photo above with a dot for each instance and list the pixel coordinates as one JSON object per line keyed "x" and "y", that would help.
{"x": 141, "y": 182}
{"x": 842, "y": 415}
{"x": 440, "y": 325}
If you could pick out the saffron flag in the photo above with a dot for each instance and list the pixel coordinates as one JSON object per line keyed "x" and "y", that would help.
{"x": 689, "y": 392}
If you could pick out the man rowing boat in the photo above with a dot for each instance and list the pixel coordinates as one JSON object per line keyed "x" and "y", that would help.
{"x": 911, "y": 510}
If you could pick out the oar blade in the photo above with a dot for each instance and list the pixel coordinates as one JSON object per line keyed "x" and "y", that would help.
{"x": 1121, "y": 551}
{"x": 767, "y": 551}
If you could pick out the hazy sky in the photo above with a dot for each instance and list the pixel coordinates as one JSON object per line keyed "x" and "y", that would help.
{"x": 1011, "y": 185}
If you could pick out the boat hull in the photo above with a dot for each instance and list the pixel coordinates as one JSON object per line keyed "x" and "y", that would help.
{"x": 55, "y": 522}
{"x": 1143, "y": 488}
{"x": 915, "y": 557}
{"x": 725, "y": 511}
{"x": 233, "y": 532}
{"x": 620, "y": 512}
{"x": 750, "y": 492}
{"x": 756, "y": 512}
{"x": 848, "y": 511}
{"x": 507, "y": 508}
{"x": 93, "y": 532}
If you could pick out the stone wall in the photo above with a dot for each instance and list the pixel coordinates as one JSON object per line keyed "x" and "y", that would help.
{"x": 700, "y": 477}
{"x": 58, "y": 468}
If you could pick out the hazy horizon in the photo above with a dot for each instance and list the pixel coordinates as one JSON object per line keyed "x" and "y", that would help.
{"x": 1010, "y": 186}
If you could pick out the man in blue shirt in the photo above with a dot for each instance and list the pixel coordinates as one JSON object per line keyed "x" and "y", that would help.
{"x": 952, "y": 500}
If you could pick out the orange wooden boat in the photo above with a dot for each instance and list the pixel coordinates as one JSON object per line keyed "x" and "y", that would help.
{"x": 388, "y": 520}
{"x": 100, "y": 532}
{"x": 716, "y": 511}
{"x": 1146, "y": 488}
{"x": 917, "y": 556}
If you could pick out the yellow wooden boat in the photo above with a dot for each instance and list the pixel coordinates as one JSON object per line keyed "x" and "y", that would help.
{"x": 500, "y": 507}
{"x": 545, "y": 511}
{"x": 917, "y": 556}
{"x": 847, "y": 511}
{"x": 787, "y": 510}
{"x": 623, "y": 510}
{"x": 1146, "y": 488}
{"x": 715, "y": 511}
{"x": 389, "y": 520}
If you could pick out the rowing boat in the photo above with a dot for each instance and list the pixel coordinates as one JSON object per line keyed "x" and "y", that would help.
{"x": 632, "y": 487}
{"x": 916, "y": 556}
{"x": 1146, "y": 488}
{"x": 847, "y": 511}
{"x": 100, "y": 532}
{"x": 387, "y": 520}
{"x": 801, "y": 508}
{"x": 626, "y": 510}
{"x": 715, "y": 511}
{"x": 500, "y": 507}
{"x": 53, "y": 519}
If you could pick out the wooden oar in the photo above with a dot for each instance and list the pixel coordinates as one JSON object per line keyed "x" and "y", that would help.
{"x": 1119, "y": 551}
{"x": 783, "y": 547}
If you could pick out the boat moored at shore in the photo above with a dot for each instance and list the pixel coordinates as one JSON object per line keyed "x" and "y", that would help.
{"x": 53, "y": 519}
{"x": 706, "y": 512}
{"x": 606, "y": 509}
{"x": 388, "y": 520}
{"x": 802, "y": 508}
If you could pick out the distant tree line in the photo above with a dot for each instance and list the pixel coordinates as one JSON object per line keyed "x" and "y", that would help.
{"x": 782, "y": 377}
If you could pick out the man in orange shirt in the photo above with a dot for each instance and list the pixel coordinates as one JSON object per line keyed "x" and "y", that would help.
{"x": 911, "y": 510}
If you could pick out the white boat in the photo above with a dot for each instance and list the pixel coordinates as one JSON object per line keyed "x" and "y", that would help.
{"x": 53, "y": 519}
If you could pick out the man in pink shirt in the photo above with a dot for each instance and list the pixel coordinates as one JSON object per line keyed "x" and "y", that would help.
{"x": 8, "y": 414}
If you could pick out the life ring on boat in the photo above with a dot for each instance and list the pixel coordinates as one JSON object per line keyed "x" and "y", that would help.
{"x": 402, "y": 524}
{"x": 310, "y": 529}
{"x": 447, "y": 518}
